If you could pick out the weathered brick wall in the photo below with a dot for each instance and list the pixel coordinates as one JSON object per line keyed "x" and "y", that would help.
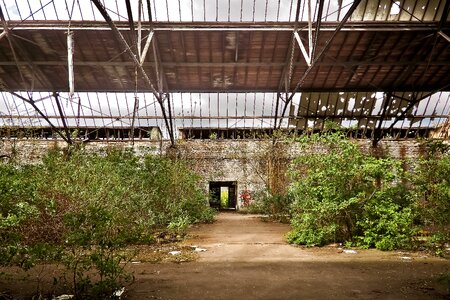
{"x": 32, "y": 151}
{"x": 253, "y": 164}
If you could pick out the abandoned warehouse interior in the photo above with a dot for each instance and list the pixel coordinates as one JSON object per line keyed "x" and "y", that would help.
{"x": 219, "y": 81}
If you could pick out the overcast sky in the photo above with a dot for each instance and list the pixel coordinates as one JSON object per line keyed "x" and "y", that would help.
{"x": 170, "y": 10}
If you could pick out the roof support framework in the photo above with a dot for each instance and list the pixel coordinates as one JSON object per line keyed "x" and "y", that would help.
{"x": 122, "y": 40}
{"x": 373, "y": 65}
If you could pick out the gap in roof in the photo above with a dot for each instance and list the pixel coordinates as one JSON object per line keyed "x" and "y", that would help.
{"x": 207, "y": 10}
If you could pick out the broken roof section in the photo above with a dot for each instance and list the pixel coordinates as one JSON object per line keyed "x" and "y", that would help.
{"x": 362, "y": 111}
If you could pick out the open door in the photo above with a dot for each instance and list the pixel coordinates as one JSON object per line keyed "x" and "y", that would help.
{"x": 214, "y": 196}
{"x": 222, "y": 194}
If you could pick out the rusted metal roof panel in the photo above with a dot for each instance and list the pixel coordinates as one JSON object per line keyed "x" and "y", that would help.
{"x": 228, "y": 60}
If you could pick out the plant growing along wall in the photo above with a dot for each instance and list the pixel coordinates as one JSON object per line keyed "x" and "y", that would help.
{"x": 340, "y": 194}
{"x": 431, "y": 179}
{"x": 271, "y": 164}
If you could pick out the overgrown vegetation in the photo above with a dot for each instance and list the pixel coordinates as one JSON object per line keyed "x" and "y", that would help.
{"x": 340, "y": 194}
{"x": 432, "y": 190}
{"x": 82, "y": 209}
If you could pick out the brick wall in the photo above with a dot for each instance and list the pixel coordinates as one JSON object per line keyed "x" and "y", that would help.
{"x": 253, "y": 164}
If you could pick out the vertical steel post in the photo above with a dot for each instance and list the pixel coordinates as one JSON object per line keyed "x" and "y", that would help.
{"x": 70, "y": 63}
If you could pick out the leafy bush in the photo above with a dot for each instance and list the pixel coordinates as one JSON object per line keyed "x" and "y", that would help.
{"x": 432, "y": 190}
{"x": 327, "y": 189}
{"x": 17, "y": 206}
{"x": 385, "y": 225}
{"x": 340, "y": 194}
{"x": 82, "y": 209}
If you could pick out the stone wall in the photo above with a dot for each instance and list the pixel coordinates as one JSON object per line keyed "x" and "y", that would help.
{"x": 254, "y": 164}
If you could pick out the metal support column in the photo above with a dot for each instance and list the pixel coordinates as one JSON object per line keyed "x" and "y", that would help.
{"x": 33, "y": 104}
{"x": 318, "y": 23}
{"x": 137, "y": 64}
{"x": 63, "y": 119}
{"x": 70, "y": 63}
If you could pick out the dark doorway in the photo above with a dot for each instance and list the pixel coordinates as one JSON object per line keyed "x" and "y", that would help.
{"x": 222, "y": 194}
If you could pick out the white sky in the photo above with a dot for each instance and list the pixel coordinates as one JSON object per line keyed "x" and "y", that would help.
{"x": 220, "y": 10}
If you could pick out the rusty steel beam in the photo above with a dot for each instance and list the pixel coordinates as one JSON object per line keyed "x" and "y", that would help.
{"x": 120, "y": 38}
{"x": 318, "y": 24}
{"x": 288, "y": 68}
{"x": 70, "y": 63}
{"x": 115, "y": 117}
{"x": 377, "y": 133}
{"x": 169, "y": 64}
{"x": 136, "y": 61}
{"x": 386, "y": 26}
{"x": 33, "y": 104}
{"x": 63, "y": 119}
{"x": 146, "y": 47}
{"x": 276, "y": 110}
{"x": 130, "y": 16}
{"x": 303, "y": 49}
{"x": 325, "y": 48}
{"x": 446, "y": 37}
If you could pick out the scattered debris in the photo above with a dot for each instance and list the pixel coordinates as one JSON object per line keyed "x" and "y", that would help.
{"x": 349, "y": 251}
{"x": 198, "y": 249}
{"x": 175, "y": 252}
{"x": 64, "y": 297}
{"x": 119, "y": 293}
{"x": 405, "y": 257}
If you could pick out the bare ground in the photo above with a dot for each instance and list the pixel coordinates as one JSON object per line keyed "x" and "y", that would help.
{"x": 247, "y": 258}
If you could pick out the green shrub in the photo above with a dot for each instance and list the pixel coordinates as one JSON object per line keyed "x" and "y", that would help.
{"x": 340, "y": 194}
{"x": 308, "y": 232}
{"x": 82, "y": 209}
{"x": 432, "y": 190}
{"x": 385, "y": 225}
{"x": 17, "y": 207}
{"x": 326, "y": 189}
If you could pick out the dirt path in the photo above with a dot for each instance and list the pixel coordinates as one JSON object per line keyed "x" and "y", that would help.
{"x": 248, "y": 259}
{"x": 243, "y": 238}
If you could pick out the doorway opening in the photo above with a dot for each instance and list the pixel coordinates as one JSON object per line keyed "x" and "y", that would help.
{"x": 222, "y": 194}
